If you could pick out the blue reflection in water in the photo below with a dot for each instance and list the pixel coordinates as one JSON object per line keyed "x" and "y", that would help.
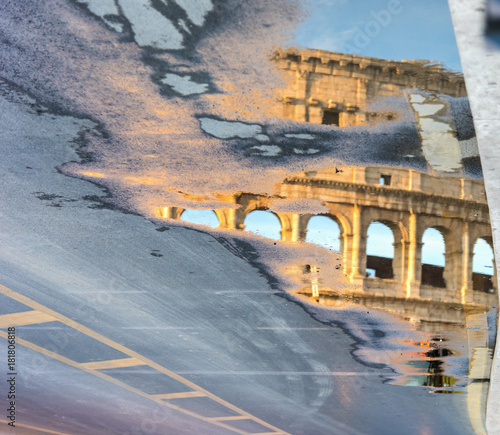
{"x": 483, "y": 258}
{"x": 433, "y": 247}
{"x": 201, "y": 217}
{"x": 263, "y": 223}
{"x": 323, "y": 231}
{"x": 362, "y": 27}
{"x": 380, "y": 241}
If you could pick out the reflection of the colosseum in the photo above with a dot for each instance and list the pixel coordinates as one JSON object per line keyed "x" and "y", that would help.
{"x": 454, "y": 293}
{"x": 335, "y": 88}
{"x": 408, "y": 203}
{"x": 409, "y": 241}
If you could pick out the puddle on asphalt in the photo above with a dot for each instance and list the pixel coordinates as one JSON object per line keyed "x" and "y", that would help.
{"x": 414, "y": 244}
{"x": 411, "y": 242}
{"x": 363, "y": 174}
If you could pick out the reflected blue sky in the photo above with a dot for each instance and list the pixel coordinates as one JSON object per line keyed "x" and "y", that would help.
{"x": 380, "y": 241}
{"x": 483, "y": 258}
{"x": 433, "y": 247}
{"x": 201, "y": 217}
{"x": 323, "y": 231}
{"x": 388, "y": 29}
{"x": 263, "y": 223}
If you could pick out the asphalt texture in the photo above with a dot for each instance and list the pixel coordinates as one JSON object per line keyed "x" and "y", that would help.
{"x": 198, "y": 318}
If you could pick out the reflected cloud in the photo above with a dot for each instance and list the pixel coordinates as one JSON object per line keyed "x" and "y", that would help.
{"x": 184, "y": 84}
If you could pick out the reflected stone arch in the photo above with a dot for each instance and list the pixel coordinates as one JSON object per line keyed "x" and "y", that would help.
{"x": 328, "y": 224}
{"x": 380, "y": 264}
{"x": 222, "y": 216}
{"x": 200, "y": 217}
{"x": 175, "y": 212}
{"x": 451, "y": 273}
{"x": 397, "y": 223}
{"x": 345, "y": 236}
{"x": 433, "y": 258}
{"x": 483, "y": 265}
{"x": 263, "y": 224}
{"x": 489, "y": 242}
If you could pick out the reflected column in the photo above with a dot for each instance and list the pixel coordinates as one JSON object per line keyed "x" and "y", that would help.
{"x": 292, "y": 227}
{"x": 227, "y": 218}
{"x": 456, "y": 269}
{"x": 358, "y": 247}
{"x": 231, "y": 218}
{"x": 413, "y": 259}
{"x": 170, "y": 212}
{"x": 466, "y": 266}
{"x": 301, "y": 94}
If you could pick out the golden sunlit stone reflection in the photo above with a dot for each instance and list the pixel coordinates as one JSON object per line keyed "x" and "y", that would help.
{"x": 93, "y": 174}
{"x": 408, "y": 202}
{"x": 144, "y": 180}
{"x": 336, "y": 88}
{"x": 281, "y": 147}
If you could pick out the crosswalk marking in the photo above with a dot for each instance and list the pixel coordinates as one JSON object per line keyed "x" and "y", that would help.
{"x": 39, "y": 429}
{"x": 185, "y": 395}
{"x": 25, "y": 318}
{"x": 113, "y": 363}
{"x": 51, "y": 315}
{"x": 108, "y": 378}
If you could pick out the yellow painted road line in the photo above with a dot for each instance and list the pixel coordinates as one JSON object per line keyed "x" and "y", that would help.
{"x": 25, "y": 318}
{"x": 113, "y": 363}
{"x": 108, "y": 378}
{"x": 234, "y": 417}
{"x": 185, "y": 395}
{"x": 79, "y": 327}
{"x": 25, "y": 426}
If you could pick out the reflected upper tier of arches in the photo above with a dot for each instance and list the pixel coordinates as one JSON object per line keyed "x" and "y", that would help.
{"x": 412, "y": 206}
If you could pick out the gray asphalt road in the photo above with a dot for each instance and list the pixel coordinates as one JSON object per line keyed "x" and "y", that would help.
{"x": 197, "y": 311}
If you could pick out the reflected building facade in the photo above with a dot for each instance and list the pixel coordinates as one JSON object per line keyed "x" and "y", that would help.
{"x": 449, "y": 198}
{"x": 408, "y": 202}
{"x": 335, "y": 88}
